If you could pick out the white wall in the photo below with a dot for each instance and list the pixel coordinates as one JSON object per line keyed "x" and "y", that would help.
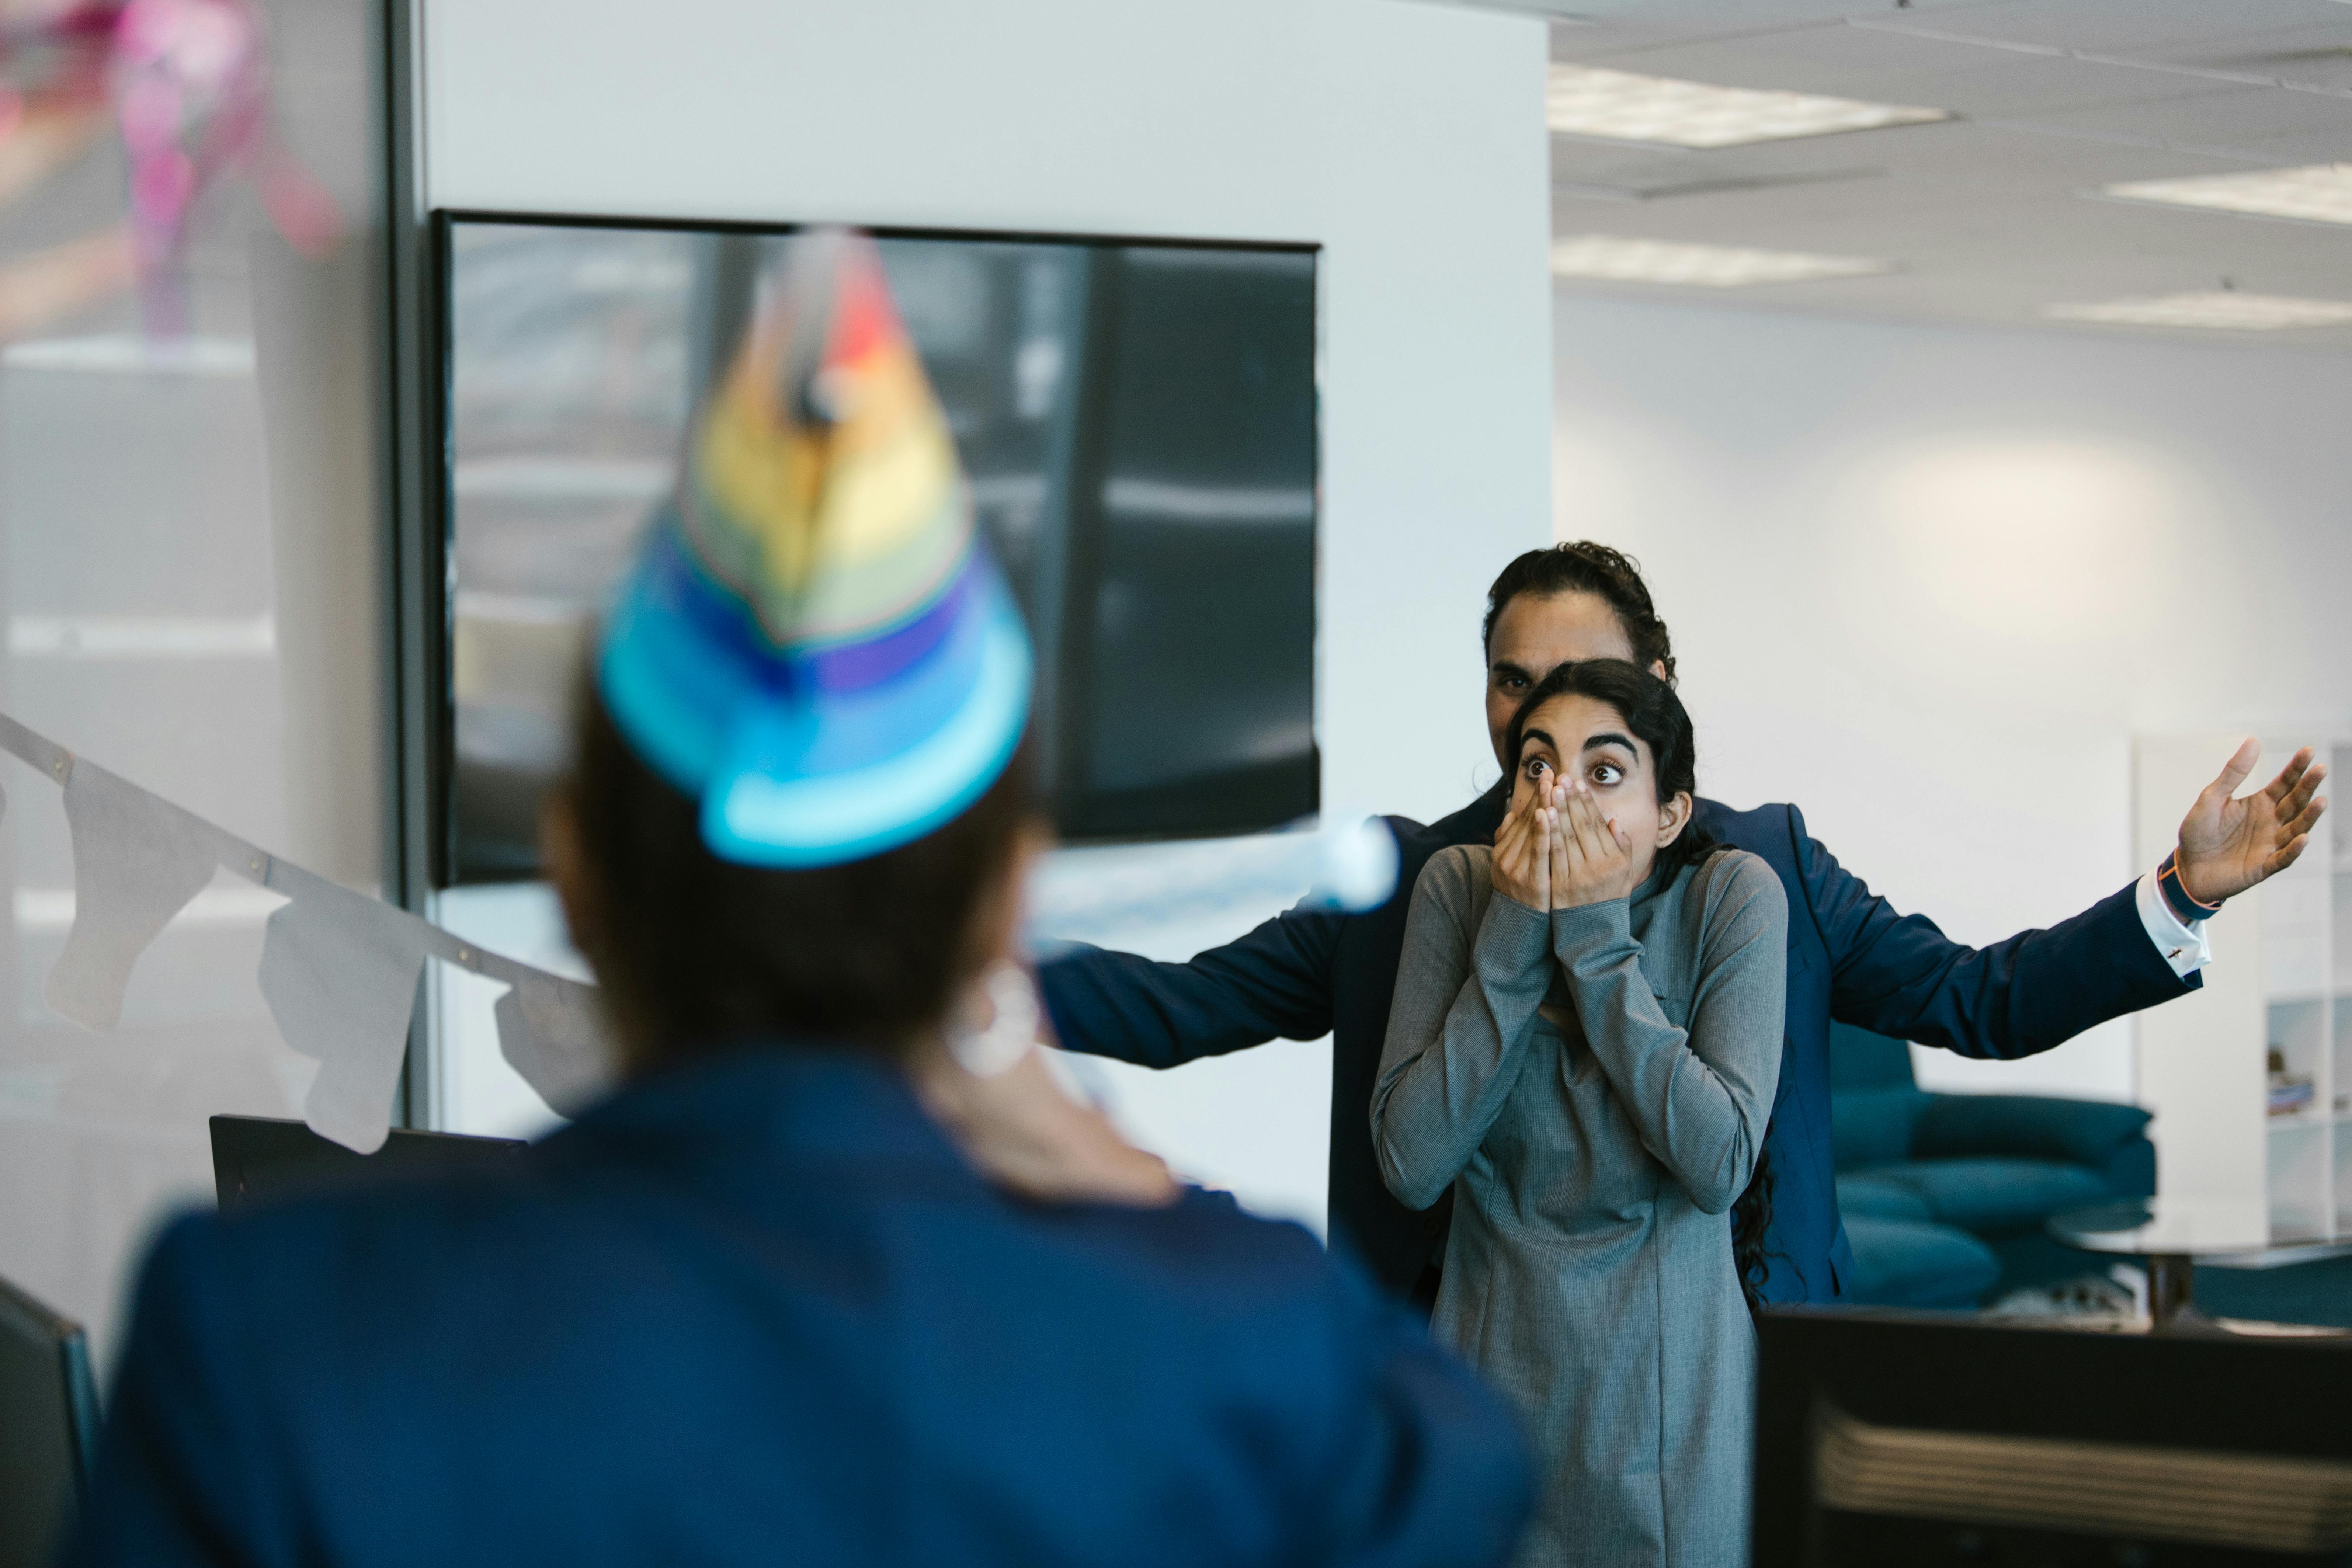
{"x": 1406, "y": 139}
{"x": 1928, "y": 583}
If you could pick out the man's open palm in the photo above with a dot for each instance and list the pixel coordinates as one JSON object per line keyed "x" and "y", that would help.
{"x": 2227, "y": 845}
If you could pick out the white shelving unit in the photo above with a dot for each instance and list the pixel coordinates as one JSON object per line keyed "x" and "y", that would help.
{"x": 2281, "y": 982}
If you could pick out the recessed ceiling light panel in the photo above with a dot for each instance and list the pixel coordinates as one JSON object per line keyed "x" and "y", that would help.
{"x": 2317, "y": 192}
{"x": 1622, "y": 260}
{"x": 1589, "y": 100}
{"x": 2221, "y": 310}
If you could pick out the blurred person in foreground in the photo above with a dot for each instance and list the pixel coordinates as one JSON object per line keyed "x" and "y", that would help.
{"x": 758, "y": 1305}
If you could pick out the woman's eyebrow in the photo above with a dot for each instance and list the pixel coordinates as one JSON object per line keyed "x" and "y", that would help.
{"x": 1532, "y": 733}
{"x": 1606, "y": 738}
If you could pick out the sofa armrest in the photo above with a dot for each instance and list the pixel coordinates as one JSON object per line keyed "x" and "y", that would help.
{"x": 2091, "y": 1132}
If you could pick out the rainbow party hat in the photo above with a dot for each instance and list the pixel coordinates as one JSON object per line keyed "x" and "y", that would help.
{"x": 814, "y": 641}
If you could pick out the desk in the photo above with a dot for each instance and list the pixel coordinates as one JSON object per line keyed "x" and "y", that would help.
{"x": 2173, "y": 1234}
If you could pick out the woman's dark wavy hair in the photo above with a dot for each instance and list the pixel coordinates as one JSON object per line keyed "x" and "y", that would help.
{"x": 1658, "y": 719}
{"x": 1586, "y": 566}
{"x": 696, "y": 953}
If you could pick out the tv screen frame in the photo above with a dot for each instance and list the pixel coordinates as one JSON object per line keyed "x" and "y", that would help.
{"x": 1276, "y": 802}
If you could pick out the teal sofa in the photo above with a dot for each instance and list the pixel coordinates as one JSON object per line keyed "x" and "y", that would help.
{"x": 1945, "y": 1196}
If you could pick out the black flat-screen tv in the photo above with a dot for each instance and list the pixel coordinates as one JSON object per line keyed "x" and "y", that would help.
{"x": 1137, "y": 419}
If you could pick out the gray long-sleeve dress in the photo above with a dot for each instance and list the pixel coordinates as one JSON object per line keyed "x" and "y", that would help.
{"x": 1594, "y": 1160}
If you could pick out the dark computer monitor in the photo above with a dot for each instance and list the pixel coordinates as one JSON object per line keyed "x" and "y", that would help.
{"x": 255, "y": 1155}
{"x": 1886, "y": 1438}
{"x": 48, "y": 1427}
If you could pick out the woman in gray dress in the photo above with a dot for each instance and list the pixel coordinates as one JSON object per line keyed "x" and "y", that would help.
{"x": 1584, "y": 1045}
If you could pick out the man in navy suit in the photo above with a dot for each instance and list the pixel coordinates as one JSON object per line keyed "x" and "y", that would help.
{"x": 1851, "y": 957}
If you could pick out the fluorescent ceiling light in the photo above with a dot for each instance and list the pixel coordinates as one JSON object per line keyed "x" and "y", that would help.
{"x": 2318, "y": 192}
{"x": 2226, "y": 310}
{"x": 1587, "y": 100}
{"x": 1704, "y": 266}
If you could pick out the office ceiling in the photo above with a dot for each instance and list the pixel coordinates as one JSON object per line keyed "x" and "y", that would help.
{"x": 1989, "y": 217}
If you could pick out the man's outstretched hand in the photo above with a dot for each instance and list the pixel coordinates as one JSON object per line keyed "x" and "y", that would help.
{"x": 2228, "y": 846}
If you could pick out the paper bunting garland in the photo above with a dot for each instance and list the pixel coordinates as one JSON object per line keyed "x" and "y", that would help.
{"x": 137, "y": 862}
{"x": 339, "y": 970}
{"x": 340, "y": 980}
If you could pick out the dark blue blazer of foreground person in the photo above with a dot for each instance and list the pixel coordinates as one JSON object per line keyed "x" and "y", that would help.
{"x": 758, "y": 1309}
{"x": 1851, "y": 957}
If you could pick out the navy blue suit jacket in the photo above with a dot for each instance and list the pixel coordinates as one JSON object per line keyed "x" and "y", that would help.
{"x": 758, "y": 1311}
{"x": 1851, "y": 957}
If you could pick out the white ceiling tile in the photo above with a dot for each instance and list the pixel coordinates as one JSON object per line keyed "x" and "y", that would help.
{"x": 2122, "y": 26}
{"x": 1901, "y": 297}
{"x": 1997, "y": 83}
{"x": 1987, "y": 219}
{"x": 2303, "y": 147}
{"x": 1900, "y": 68}
{"x": 2216, "y": 120}
{"x": 1576, "y": 160}
{"x": 2017, "y": 159}
{"x": 1828, "y": 57}
{"x": 1607, "y": 25}
{"x": 2318, "y": 57}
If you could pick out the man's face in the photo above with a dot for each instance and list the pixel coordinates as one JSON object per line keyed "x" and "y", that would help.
{"x": 1532, "y": 636}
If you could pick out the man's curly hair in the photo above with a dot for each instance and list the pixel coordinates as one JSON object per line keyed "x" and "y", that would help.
{"x": 1586, "y": 567}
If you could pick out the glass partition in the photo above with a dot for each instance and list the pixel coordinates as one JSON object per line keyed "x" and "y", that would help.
{"x": 189, "y": 424}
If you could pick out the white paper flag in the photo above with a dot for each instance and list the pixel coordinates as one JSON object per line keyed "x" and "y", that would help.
{"x": 340, "y": 973}
{"x": 137, "y": 862}
{"x": 549, "y": 1032}
{"x": 339, "y": 970}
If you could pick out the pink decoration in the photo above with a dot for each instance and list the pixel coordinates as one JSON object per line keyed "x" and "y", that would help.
{"x": 191, "y": 85}
{"x": 187, "y": 83}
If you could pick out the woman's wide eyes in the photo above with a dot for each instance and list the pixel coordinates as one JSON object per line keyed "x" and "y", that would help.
{"x": 1602, "y": 773}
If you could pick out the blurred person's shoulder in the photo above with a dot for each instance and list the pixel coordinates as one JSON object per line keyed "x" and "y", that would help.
{"x": 1203, "y": 1243}
{"x": 861, "y": 1238}
{"x": 1253, "y": 1303}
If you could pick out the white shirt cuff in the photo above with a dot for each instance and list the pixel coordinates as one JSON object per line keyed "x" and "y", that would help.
{"x": 2182, "y": 946}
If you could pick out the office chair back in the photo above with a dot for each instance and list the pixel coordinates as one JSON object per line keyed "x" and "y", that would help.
{"x": 258, "y": 1156}
{"x": 48, "y": 1427}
